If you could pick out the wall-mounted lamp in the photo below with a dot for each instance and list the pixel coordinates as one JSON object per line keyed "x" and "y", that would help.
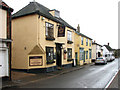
{"x": 43, "y": 18}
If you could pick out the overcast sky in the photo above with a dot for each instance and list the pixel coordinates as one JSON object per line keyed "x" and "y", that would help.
{"x": 98, "y": 19}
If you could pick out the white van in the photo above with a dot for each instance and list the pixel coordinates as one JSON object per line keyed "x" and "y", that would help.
{"x": 109, "y": 57}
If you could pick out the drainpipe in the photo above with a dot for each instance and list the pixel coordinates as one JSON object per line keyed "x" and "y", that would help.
{"x": 10, "y": 50}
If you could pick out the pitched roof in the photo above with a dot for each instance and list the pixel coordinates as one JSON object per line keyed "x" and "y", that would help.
{"x": 36, "y": 8}
{"x": 96, "y": 44}
{"x": 83, "y": 35}
{"x": 108, "y": 47}
{"x": 4, "y": 6}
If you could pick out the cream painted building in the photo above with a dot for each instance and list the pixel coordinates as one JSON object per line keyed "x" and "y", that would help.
{"x": 83, "y": 48}
{"x": 41, "y": 39}
{"x": 97, "y": 51}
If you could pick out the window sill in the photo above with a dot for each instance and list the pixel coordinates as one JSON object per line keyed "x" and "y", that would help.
{"x": 69, "y": 60}
{"x": 50, "y": 38}
{"x": 69, "y": 42}
{"x": 50, "y": 62}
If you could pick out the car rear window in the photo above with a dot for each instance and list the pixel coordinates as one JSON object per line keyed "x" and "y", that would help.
{"x": 99, "y": 58}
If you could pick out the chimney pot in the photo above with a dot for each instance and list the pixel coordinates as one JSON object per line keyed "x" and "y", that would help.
{"x": 108, "y": 44}
{"x": 78, "y": 28}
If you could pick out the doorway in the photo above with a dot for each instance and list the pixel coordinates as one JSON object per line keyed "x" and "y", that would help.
{"x": 4, "y": 63}
{"x": 58, "y": 55}
{"x": 76, "y": 57}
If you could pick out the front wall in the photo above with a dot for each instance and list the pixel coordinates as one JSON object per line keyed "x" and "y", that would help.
{"x": 43, "y": 42}
{"x": 28, "y": 32}
{"x": 86, "y": 48}
{"x": 3, "y": 23}
{"x": 94, "y": 51}
{"x": 24, "y": 36}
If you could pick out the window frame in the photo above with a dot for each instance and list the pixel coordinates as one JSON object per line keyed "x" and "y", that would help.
{"x": 69, "y": 35}
{"x": 90, "y": 54}
{"x": 82, "y": 40}
{"x": 47, "y": 58}
{"x": 86, "y": 54}
{"x": 69, "y": 57}
{"x": 89, "y": 42}
{"x": 47, "y": 30}
{"x": 81, "y": 53}
{"x": 86, "y": 42}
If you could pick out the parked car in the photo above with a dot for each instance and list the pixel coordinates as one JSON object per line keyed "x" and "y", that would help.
{"x": 101, "y": 60}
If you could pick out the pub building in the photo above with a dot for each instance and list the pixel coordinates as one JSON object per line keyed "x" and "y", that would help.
{"x": 42, "y": 40}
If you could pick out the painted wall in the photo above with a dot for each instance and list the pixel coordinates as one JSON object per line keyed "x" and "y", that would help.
{"x": 3, "y": 23}
{"x": 24, "y": 36}
{"x": 94, "y": 51}
{"x": 78, "y": 45}
{"x": 29, "y": 31}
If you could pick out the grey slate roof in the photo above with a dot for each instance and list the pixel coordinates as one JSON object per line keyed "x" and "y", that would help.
{"x": 36, "y": 8}
{"x": 97, "y": 44}
{"x": 83, "y": 35}
{"x": 108, "y": 47}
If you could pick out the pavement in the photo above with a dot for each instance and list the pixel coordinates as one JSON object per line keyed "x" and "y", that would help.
{"x": 115, "y": 84}
{"x": 20, "y": 78}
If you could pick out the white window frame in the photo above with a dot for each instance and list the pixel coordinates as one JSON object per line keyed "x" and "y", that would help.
{"x": 69, "y": 35}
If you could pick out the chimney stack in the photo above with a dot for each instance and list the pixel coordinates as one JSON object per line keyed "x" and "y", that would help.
{"x": 94, "y": 41}
{"x": 78, "y": 28}
{"x": 108, "y": 44}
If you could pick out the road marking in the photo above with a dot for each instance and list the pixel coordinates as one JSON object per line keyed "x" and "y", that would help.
{"x": 108, "y": 84}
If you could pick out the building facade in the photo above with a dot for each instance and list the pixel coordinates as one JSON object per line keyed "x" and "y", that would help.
{"x": 97, "y": 51}
{"x": 107, "y": 49}
{"x": 83, "y": 48}
{"x": 5, "y": 40}
{"x": 41, "y": 39}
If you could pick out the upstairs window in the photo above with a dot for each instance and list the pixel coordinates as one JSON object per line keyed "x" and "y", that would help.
{"x": 69, "y": 35}
{"x": 89, "y": 42}
{"x": 49, "y": 29}
{"x": 81, "y": 40}
{"x": 86, "y": 42}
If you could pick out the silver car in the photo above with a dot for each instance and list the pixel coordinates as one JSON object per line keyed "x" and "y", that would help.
{"x": 101, "y": 60}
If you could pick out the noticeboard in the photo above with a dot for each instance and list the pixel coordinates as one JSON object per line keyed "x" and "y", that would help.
{"x": 35, "y": 61}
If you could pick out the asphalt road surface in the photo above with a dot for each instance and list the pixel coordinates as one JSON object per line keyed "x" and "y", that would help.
{"x": 95, "y": 76}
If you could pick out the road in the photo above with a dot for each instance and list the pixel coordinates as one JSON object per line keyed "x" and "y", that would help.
{"x": 95, "y": 76}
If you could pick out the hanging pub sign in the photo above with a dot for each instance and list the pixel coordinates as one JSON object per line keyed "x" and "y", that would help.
{"x": 35, "y": 61}
{"x": 61, "y": 31}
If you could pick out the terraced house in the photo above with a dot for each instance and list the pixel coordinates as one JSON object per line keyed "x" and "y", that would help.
{"x": 41, "y": 39}
{"x": 5, "y": 40}
{"x": 83, "y": 48}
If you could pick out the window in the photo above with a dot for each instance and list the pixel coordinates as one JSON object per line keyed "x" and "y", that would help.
{"x": 69, "y": 53}
{"x": 81, "y": 40}
{"x": 89, "y": 42}
{"x": 86, "y": 54}
{"x": 86, "y": 42}
{"x": 49, "y": 53}
{"x": 69, "y": 35}
{"x": 81, "y": 54}
{"x": 90, "y": 53}
{"x": 49, "y": 29}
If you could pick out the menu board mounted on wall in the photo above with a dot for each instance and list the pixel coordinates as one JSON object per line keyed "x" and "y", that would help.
{"x": 35, "y": 61}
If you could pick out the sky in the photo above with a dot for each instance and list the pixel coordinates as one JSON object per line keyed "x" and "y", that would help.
{"x": 98, "y": 19}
